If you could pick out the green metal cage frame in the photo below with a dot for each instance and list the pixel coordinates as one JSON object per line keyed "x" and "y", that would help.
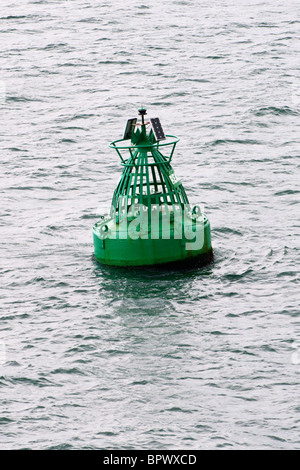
{"x": 132, "y": 147}
{"x": 148, "y": 177}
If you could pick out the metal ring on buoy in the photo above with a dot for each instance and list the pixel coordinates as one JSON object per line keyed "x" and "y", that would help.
{"x": 103, "y": 229}
{"x": 196, "y": 212}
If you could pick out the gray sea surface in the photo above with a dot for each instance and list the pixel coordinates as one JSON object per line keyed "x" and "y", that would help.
{"x": 93, "y": 357}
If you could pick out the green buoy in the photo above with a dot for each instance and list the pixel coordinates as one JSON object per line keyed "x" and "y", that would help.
{"x": 151, "y": 221}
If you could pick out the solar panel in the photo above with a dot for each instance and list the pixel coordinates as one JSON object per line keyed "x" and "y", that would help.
{"x": 129, "y": 128}
{"x": 157, "y": 129}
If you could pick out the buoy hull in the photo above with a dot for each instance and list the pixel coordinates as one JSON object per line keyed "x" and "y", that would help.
{"x": 115, "y": 248}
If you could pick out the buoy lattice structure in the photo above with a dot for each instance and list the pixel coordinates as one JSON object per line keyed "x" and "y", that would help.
{"x": 150, "y": 221}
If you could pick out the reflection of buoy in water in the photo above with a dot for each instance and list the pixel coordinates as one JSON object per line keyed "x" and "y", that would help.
{"x": 150, "y": 221}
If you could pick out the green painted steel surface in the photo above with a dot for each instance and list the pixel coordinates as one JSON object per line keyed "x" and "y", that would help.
{"x": 144, "y": 251}
{"x": 150, "y": 220}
